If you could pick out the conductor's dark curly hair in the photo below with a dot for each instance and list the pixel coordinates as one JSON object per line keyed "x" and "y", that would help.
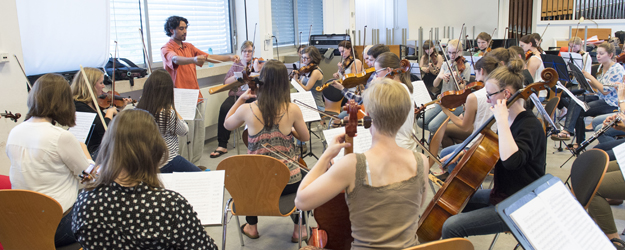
{"x": 173, "y": 22}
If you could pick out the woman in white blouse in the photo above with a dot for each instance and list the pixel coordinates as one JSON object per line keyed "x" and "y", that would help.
{"x": 45, "y": 158}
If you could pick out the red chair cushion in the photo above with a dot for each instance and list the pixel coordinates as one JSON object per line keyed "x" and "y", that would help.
{"x": 5, "y": 183}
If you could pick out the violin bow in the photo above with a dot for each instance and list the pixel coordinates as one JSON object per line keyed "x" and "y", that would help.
{"x": 448, "y": 66}
{"x": 145, "y": 52}
{"x": 113, "y": 83}
{"x": 491, "y": 38}
{"x": 93, "y": 97}
{"x": 298, "y": 102}
{"x": 283, "y": 156}
{"x": 434, "y": 157}
{"x": 505, "y": 38}
{"x": 22, "y": 68}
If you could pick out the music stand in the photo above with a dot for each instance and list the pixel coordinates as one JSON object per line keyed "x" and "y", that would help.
{"x": 557, "y": 63}
{"x": 579, "y": 76}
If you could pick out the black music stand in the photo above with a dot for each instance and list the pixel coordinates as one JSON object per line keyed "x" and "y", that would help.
{"x": 557, "y": 63}
{"x": 579, "y": 76}
{"x": 309, "y": 153}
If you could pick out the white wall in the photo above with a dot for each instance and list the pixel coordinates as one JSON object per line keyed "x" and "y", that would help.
{"x": 337, "y": 16}
{"x": 12, "y": 82}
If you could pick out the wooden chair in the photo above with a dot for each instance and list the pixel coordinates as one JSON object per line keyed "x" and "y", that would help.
{"x": 28, "y": 219}
{"x": 447, "y": 244}
{"x": 255, "y": 183}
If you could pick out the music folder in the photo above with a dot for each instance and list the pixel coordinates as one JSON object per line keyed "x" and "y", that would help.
{"x": 545, "y": 215}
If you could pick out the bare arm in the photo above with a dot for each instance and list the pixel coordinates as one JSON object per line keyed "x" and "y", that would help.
{"x": 299, "y": 129}
{"x": 465, "y": 123}
{"x": 236, "y": 117}
{"x": 314, "y": 77}
{"x": 594, "y": 82}
{"x": 532, "y": 66}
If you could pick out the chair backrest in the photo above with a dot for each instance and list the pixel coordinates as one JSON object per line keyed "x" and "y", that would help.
{"x": 551, "y": 106}
{"x": 587, "y": 173}
{"x": 255, "y": 183}
{"x": 28, "y": 219}
{"x": 446, "y": 244}
{"x": 5, "y": 182}
{"x": 244, "y": 137}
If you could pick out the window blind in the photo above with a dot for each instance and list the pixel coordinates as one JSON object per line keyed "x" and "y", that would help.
{"x": 309, "y": 12}
{"x": 282, "y": 20}
{"x": 125, "y": 24}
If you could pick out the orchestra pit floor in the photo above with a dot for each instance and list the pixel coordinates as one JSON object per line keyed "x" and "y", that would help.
{"x": 276, "y": 231}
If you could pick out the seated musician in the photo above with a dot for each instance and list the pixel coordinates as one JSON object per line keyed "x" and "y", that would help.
{"x": 365, "y": 56}
{"x": 528, "y": 78}
{"x": 84, "y": 103}
{"x": 532, "y": 55}
{"x": 434, "y": 117}
{"x": 45, "y": 158}
{"x": 310, "y": 81}
{"x": 353, "y": 65}
{"x": 431, "y": 63}
{"x": 223, "y": 135}
{"x": 126, "y": 207}
{"x": 606, "y": 102}
{"x": 522, "y": 156}
{"x": 476, "y": 112}
{"x": 158, "y": 99}
{"x": 374, "y": 183}
{"x": 597, "y": 123}
{"x": 612, "y": 187}
{"x": 273, "y": 119}
{"x": 385, "y": 64}
{"x": 483, "y": 41}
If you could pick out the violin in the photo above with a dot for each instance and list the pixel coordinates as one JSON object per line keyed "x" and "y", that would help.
{"x": 620, "y": 58}
{"x": 90, "y": 174}
{"x": 472, "y": 168}
{"x": 404, "y": 66}
{"x": 9, "y": 115}
{"x": 453, "y": 99}
{"x": 346, "y": 64}
{"x": 350, "y": 80}
{"x": 528, "y": 55}
{"x": 106, "y": 100}
{"x": 460, "y": 60}
{"x": 249, "y": 66}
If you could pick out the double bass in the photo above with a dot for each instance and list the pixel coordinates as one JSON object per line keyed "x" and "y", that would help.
{"x": 333, "y": 216}
{"x": 472, "y": 169}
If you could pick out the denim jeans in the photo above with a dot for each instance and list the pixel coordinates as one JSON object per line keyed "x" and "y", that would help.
{"x": 64, "y": 234}
{"x": 610, "y": 134}
{"x": 179, "y": 164}
{"x": 479, "y": 217}
{"x": 435, "y": 117}
{"x": 447, "y": 151}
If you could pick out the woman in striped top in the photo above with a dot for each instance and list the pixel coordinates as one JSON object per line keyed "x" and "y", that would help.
{"x": 158, "y": 99}
{"x": 272, "y": 119}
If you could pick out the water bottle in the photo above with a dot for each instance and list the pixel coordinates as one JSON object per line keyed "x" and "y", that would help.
{"x": 210, "y": 52}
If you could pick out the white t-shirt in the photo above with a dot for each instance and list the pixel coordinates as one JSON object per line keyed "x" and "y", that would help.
{"x": 404, "y": 134}
{"x": 46, "y": 159}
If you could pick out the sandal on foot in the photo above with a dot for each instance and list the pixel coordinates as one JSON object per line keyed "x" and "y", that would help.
{"x": 618, "y": 243}
{"x": 296, "y": 240}
{"x": 248, "y": 235}
{"x": 219, "y": 153}
{"x": 562, "y": 136}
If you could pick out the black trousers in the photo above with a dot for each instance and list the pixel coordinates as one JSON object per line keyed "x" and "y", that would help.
{"x": 223, "y": 135}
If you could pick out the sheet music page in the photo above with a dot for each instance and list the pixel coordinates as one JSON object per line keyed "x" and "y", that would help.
{"x": 619, "y": 153}
{"x": 420, "y": 94}
{"x": 568, "y": 92}
{"x": 308, "y": 99}
{"x": 577, "y": 58}
{"x": 362, "y": 141}
{"x": 84, "y": 120}
{"x": 204, "y": 191}
{"x": 297, "y": 86}
{"x": 185, "y": 101}
{"x": 555, "y": 220}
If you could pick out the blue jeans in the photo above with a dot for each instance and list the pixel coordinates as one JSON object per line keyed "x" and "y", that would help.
{"x": 179, "y": 164}
{"x": 64, "y": 234}
{"x": 610, "y": 134}
{"x": 479, "y": 217}
{"x": 435, "y": 117}
{"x": 448, "y": 150}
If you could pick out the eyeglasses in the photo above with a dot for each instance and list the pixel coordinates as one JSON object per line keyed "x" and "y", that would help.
{"x": 378, "y": 71}
{"x": 488, "y": 95}
{"x": 305, "y": 58}
{"x": 247, "y": 51}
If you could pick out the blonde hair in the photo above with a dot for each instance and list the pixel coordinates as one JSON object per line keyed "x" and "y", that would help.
{"x": 508, "y": 75}
{"x": 388, "y": 104}
{"x": 80, "y": 91}
{"x": 132, "y": 144}
{"x": 577, "y": 41}
{"x": 454, "y": 43}
{"x": 609, "y": 48}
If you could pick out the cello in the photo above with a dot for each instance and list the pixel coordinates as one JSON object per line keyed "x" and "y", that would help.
{"x": 333, "y": 216}
{"x": 472, "y": 168}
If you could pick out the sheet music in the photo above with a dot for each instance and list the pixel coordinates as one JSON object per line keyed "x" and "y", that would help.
{"x": 362, "y": 141}
{"x": 297, "y": 86}
{"x": 475, "y": 58}
{"x": 307, "y": 98}
{"x": 577, "y": 59}
{"x": 84, "y": 120}
{"x": 421, "y": 95}
{"x": 555, "y": 220}
{"x": 619, "y": 153}
{"x": 185, "y": 101}
{"x": 541, "y": 110}
{"x": 204, "y": 191}
{"x": 573, "y": 97}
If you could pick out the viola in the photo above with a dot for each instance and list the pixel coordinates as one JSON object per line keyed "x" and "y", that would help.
{"x": 107, "y": 100}
{"x": 9, "y": 115}
{"x": 350, "y": 80}
{"x": 472, "y": 168}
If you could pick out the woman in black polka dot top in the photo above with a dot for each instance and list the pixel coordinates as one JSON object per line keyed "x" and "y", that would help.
{"x": 126, "y": 207}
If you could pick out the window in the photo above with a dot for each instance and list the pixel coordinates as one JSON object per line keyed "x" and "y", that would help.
{"x": 287, "y": 26}
{"x": 209, "y": 26}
